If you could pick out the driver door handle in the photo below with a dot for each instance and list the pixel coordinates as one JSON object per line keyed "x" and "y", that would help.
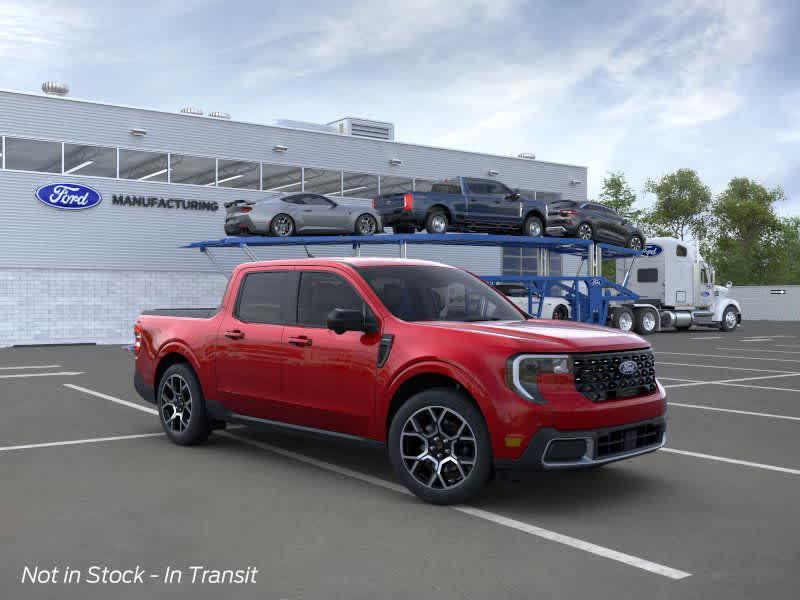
{"x": 234, "y": 334}
{"x": 300, "y": 340}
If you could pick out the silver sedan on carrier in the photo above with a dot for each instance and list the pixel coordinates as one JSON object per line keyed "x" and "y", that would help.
{"x": 286, "y": 214}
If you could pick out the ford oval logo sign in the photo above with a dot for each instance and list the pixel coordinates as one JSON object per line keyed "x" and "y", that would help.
{"x": 68, "y": 196}
{"x": 652, "y": 250}
{"x": 628, "y": 367}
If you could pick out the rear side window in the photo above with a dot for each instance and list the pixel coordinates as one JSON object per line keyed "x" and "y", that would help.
{"x": 680, "y": 251}
{"x": 266, "y": 297}
{"x": 320, "y": 293}
{"x": 446, "y": 188}
{"x": 647, "y": 275}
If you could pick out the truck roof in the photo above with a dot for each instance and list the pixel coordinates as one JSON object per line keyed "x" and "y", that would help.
{"x": 353, "y": 261}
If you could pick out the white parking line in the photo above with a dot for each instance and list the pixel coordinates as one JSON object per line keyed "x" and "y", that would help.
{"x": 735, "y": 411}
{"x": 30, "y": 367}
{"x": 147, "y": 409}
{"x": 661, "y": 362}
{"x": 692, "y": 383}
{"x": 786, "y": 345}
{"x": 792, "y": 360}
{"x": 21, "y": 375}
{"x": 761, "y": 350}
{"x": 628, "y": 559}
{"x": 77, "y": 442}
{"x": 707, "y": 337}
{"x": 553, "y": 536}
{"x": 732, "y": 461}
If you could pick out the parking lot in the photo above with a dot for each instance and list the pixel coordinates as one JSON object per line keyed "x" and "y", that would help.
{"x": 89, "y": 479}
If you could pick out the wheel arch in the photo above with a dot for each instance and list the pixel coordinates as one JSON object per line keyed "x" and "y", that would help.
{"x": 445, "y": 209}
{"x": 171, "y": 355}
{"x": 535, "y": 212}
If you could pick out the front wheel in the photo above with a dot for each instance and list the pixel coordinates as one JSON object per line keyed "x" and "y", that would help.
{"x": 533, "y": 227}
{"x": 730, "y": 319}
{"x": 635, "y": 242}
{"x": 181, "y": 406}
{"x": 366, "y": 224}
{"x": 439, "y": 446}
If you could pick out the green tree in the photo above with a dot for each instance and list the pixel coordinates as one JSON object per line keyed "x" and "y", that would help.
{"x": 749, "y": 242}
{"x": 618, "y": 195}
{"x": 681, "y": 207}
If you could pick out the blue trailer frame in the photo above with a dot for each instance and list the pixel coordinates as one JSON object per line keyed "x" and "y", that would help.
{"x": 589, "y": 295}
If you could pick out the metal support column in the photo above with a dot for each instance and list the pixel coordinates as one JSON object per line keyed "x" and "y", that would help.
{"x": 403, "y": 250}
{"x": 249, "y": 253}
{"x": 210, "y": 255}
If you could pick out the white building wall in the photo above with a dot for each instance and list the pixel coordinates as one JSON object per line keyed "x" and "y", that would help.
{"x": 760, "y": 303}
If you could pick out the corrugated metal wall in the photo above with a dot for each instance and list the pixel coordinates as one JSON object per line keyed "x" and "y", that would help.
{"x": 766, "y": 302}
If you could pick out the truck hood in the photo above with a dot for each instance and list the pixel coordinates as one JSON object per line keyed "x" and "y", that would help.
{"x": 549, "y": 336}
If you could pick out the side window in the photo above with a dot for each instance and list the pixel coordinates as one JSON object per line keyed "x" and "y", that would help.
{"x": 680, "y": 251}
{"x": 497, "y": 188}
{"x": 647, "y": 275}
{"x": 299, "y": 199}
{"x": 266, "y": 297}
{"x": 476, "y": 187}
{"x": 318, "y": 200}
{"x": 703, "y": 276}
{"x": 320, "y": 293}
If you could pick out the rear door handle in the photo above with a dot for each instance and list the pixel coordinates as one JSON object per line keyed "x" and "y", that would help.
{"x": 234, "y": 334}
{"x": 300, "y": 340}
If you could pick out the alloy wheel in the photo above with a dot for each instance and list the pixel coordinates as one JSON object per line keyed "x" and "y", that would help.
{"x": 438, "y": 447}
{"x": 176, "y": 403}
{"x": 649, "y": 321}
{"x": 366, "y": 225}
{"x": 635, "y": 243}
{"x": 282, "y": 226}
{"x": 439, "y": 223}
{"x": 730, "y": 319}
{"x": 534, "y": 228}
{"x": 585, "y": 231}
{"x": 625, "y": 321}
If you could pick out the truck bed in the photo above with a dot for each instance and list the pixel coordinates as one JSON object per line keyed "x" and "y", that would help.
{"x": 189, "y": 313}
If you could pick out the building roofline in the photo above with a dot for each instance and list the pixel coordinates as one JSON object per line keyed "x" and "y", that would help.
{"x": 282, "y": 128}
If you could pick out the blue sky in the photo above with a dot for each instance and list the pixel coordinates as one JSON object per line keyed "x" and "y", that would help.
{"x": 642, "y": 87}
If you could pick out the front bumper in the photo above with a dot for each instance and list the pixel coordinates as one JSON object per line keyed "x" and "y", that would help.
{"x": 554, "y": 449}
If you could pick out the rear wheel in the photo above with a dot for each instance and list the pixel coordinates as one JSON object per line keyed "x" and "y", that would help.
{"x": 439, "y": 446}
{"x": 533, "y": 227}
{"x": 646, "y": 321}
{"x": 560, "y": 313}
{"x": 436, "y": 222}
{"x": 730, "y": 319}
{"x": 366, "y": 224}
{"x": 585, "y": 232}
{"x": 635, "y": 242}
{"x": 281, "y": 225}
{"x": 181, "y": 406}
{"x": 622, "y": 319}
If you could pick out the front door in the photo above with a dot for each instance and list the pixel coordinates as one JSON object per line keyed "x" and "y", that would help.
{"x": 332, "y": 377}
{"x": 250, "y": 352}
{"x": 321, "y": 214}
{"x": 489, "y": 206}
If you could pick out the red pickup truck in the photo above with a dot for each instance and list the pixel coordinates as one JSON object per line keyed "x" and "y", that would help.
{"x": 426, "y": 359}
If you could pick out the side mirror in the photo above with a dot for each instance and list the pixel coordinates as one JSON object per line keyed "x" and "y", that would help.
{"x": 515, "y": 195}
{"x": 350, "y": 319}
{"x": 729, "y": 285}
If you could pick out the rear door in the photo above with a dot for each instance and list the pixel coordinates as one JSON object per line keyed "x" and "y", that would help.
{"x": 331, "y": 377}
{"x": 250, "y": 351}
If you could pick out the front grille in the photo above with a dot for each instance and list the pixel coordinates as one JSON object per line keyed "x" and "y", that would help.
{"x": 628, "y": 440}
{"x": 612, "y": 376}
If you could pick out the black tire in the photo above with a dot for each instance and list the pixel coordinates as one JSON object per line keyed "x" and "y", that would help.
{"x": 646, "y": 321}
{"x": 449, "y": 404}
{"x": 533, "y": 227}
{"x": 282, "y": 225}
{"x": 729, "y": 323}
{"x": 560, "y": 313}
{"x": 366, "y": 224}
{"x": 437, "y": 221}
{"x": 585, "y": 231}
{"x": 623, "y": 318}
{"x": 400, "y": 229}
{"x": 196, "y": 427}
{"x": 635, "y": 242}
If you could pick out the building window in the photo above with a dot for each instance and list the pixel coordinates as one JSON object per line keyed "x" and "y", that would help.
{"x": 323, "y": 181}
{"x": 280, "y": 178}
{"x": 90, "y": 160}
{"x": 33, "y": 155}
{"x": 360, "y": 185}
{"x": 195, "y": 170}
{"x": 524, "y": 261}
{"x": 144, "y": 166}
{"x": 396, "y": 185}
{"x": 238, "y": 174}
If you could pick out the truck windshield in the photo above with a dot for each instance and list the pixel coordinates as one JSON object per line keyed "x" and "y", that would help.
{"x": 430, "y": 293}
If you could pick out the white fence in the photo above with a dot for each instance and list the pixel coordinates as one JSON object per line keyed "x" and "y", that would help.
{"x": 768, "y": 302}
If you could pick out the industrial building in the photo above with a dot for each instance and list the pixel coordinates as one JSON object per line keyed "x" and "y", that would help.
{"x": 70, "y": 276}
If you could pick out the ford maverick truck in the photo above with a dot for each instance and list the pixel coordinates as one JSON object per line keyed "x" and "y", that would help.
{"x": 424, "y": 359}
{"x": 463, "y": 204}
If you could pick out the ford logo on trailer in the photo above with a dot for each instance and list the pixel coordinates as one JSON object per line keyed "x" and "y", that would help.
{"x": 652, "y": 250}
{"x": 628, "y": 367}
{"x": 68, "y": 196}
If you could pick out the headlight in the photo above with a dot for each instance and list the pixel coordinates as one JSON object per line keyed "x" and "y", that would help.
{"x": 524, "y": 373}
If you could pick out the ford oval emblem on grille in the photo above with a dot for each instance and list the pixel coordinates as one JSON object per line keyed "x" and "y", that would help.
{"x": 628, "y": 367}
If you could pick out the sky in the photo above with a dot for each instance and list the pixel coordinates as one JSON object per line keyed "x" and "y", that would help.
{"x": 639, "y": 87}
